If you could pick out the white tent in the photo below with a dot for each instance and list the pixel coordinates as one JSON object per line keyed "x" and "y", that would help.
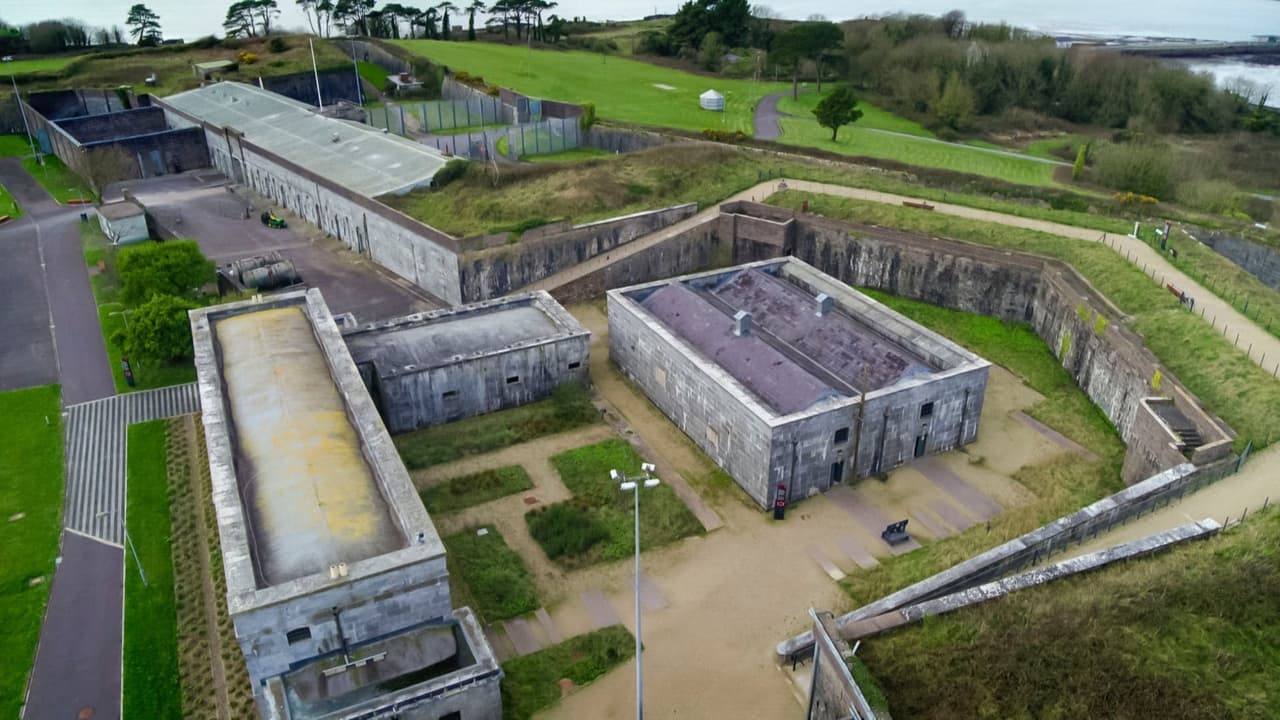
{"x": 711, "y": 100}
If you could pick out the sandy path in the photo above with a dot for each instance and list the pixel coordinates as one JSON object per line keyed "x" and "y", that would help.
{"x": 729, "y": 593}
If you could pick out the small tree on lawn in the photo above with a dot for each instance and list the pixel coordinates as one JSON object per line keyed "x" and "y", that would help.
{"x": 838, "y": 109}
{"x": 159, "y": 329}
{"x": 1082, "y": 155}
{"x": 107, "y": 165}
{"x": 172, "y": 268}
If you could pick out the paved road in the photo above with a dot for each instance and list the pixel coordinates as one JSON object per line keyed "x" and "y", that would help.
{"x": 768, "y": 126}
{"x": 80, "y": 355}
{"x": 27, "y": 355}
{"x": 78, "y": 660}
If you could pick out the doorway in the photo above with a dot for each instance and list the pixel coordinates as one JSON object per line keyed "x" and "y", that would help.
{"x": 837, "y": 472}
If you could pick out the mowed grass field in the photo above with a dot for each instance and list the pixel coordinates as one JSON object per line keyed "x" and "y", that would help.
{"x": 622, "y": 89}
{"x": 881, "y": 134}
{"x": 30, "y": 509}
{"x": 44, "y": 64}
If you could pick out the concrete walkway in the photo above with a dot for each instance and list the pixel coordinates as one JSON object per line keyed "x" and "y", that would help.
{"x": 1262, "y": 347}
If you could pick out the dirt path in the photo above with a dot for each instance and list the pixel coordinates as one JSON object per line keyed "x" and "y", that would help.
{"x": 210, "y": 604}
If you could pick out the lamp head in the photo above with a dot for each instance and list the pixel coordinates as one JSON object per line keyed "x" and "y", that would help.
{"x": 651, "y": 482}
{"x": 628, "y": 486}
{"x": 648, "y": 467}
{"x": 614, "y": 474}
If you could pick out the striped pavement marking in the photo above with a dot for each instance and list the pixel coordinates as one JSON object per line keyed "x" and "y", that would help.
{"x": 96, "y": 452}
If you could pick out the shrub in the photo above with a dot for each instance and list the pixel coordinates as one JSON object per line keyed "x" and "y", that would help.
{"x": 277, "y": 44}
{"x": 451, "y": 171}
{"x": 205, "y": 43}
{"x": 174, "y": 268}
{"x": 725, "y": 136}
{"x": 573, "y": 404}
{"x": 588, "y": 116}
{"x": 1142, "y": 169}
{"x": 160, "y": 330}
{"x": 1212, "y": 196}
{"x": 246, "y": 58}
{"x": 566, "y": 528}
{"x": 1078, "y": 168}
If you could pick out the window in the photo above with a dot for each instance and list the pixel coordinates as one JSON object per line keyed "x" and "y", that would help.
{"x": 449, "y": 394}
{"x": 926, "y": 410}
{"x": 842, "y": 435}
{"x": 513, "y": 379}
{"x": 298, "y": 635}
{"x": 455, "y": 715}
{"x": 575, "y": 365}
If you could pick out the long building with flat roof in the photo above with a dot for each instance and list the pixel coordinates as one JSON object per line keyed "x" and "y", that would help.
{"x": 336, "y": 576}
{"x": 791, "y": 380}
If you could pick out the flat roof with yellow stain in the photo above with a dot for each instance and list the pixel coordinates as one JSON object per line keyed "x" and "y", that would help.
{"x": 310, "y": 496}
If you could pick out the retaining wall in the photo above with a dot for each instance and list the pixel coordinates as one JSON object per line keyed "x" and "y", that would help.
{"x": 1039, "y": 544}
{"x": 619, "y": 140}
{"x": 697, "y": 248}
{"x": 94, "y": 128}
{"x": 335, "y": 85}
{"x": 497, "y": 270}
{"x": 1262, "y": 261}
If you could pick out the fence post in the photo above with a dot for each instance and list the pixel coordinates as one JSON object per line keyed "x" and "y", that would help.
{"x": 403, "y": 132}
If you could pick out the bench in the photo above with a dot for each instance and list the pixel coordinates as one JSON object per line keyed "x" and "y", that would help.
{"x": 896, "y": 533}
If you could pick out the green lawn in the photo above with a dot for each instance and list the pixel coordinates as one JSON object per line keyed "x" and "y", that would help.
{"x": 9, "y": 206}
{"x": 569, "y": 407}
{"x": 532, "y": 681}
{"x": 44, "y": 64}
{"x": 147, "y": 375}
{"x": 14, "y": 146}
{"x": 872, "y": 116}
{"x": 494, "y": 580}
{"x": 855, "y": 140}
{"x": 1183, "y": 635}
{"x": 572, "y": 155}
{"x": 58, "y": 180}
{"x": 599, "y": 504}
{"x": 622, "y": 89}
{"x": 373, "y": 73}
{"x": 150, "y": 680}
{"x": 468, "y": 490}
{"x": 30, "y": 486}
{"x": 1225, "y": 380}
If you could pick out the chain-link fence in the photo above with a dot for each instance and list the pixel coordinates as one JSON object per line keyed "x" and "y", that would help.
{"x": 388, "y": 117}
{"x": 541, "y": 138}
{"x": 438, "y": 115}
{"x": 473, "y": 145}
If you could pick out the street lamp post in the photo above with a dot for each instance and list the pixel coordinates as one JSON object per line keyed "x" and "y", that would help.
{"x": 633, "y": 484}
{"x": 132, "y": 549}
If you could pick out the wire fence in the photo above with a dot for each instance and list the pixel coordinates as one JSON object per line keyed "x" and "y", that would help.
{"x": 541, "y": 138}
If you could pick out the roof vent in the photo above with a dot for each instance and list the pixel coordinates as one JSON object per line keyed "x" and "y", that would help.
{"x": 334, "y": 138}
{"x": 742, "y": 323}
{"x": 823, "y": 307}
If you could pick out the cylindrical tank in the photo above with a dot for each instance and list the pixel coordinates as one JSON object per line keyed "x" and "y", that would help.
{"x": 278, "y": 274}
{"x": 244, "y": 265}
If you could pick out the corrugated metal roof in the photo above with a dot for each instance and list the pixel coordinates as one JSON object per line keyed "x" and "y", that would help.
{"x": 310, "y": 496}
{"x": 362, "y": 159}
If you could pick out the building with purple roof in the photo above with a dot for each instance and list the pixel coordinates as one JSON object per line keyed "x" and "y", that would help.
{"x": 792, "y": 381}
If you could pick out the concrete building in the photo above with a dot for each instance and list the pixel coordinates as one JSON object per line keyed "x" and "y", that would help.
{"x": 791, "y": 380}
{"x": 336, "y": 576}
{"x": 124, "y": 222}
{"x": 328, "y": 171}
{"x": 469, "y": 360}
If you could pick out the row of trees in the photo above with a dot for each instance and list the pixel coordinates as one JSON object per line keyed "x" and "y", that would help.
{"x": 363, "y": 17}
{"x": 55, "y": 36}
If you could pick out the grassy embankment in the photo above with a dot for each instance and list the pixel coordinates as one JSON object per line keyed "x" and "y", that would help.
{"x": 150, "y": 683}
{"x": 475, "y": 489}
{"x": 1242, "y": 289}
{"x": 488, "y": 576}
{"x": 626, "y": 35}
{"x": 12, "y": 146}
{"x": 598, "y": 522}
{"x": 18, "y": 68}
{"x": 100, "y": 256}
{"x": 30, "y": 513}
{"x": 622, "y": 89}
{"x": 704, "y": 173}
{"x": 568, "y": 407}
{"x": 532, "y": 681}
{"x": 1187, "y": 634}
{"x": 1061, "y": 485}
{"x": 172, "y": 66}
{"x": 863, "y": 138}
{"x": 58, "y": 180}
{"x": 1226, "y": 381}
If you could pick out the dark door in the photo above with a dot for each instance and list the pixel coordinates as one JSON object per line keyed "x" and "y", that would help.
{"x": 921, "y": 441}
{"x": 837, "y": 472}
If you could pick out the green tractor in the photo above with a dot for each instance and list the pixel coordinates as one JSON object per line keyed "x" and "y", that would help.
{"x": 272, "y": 221}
